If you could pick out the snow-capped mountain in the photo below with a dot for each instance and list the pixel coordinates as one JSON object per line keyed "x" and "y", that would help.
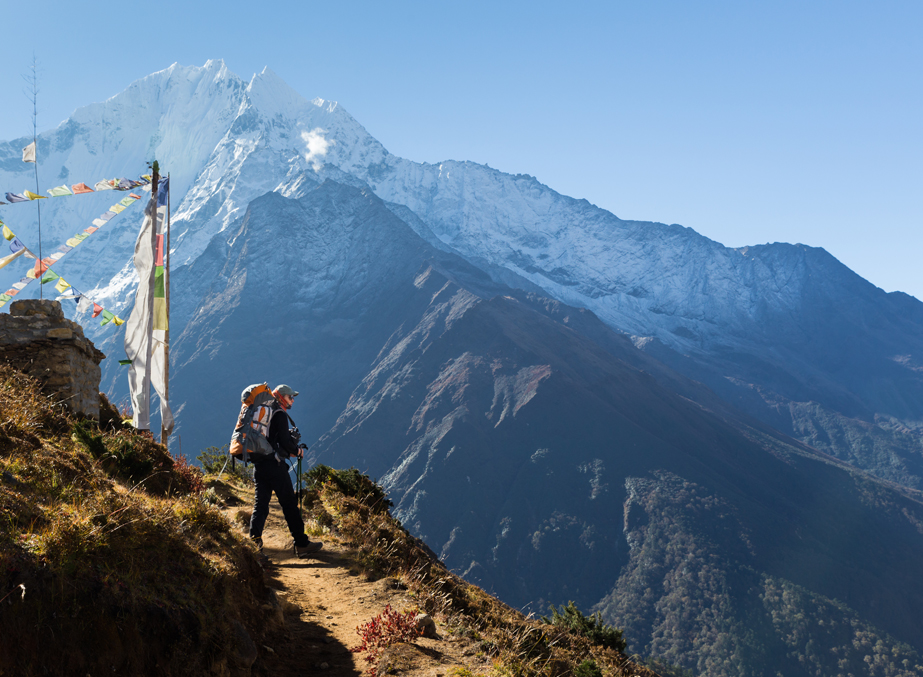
{"x": 783, "y": 331}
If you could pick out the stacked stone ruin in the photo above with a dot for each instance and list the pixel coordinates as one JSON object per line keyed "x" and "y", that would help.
{"x": 36, "y": 339}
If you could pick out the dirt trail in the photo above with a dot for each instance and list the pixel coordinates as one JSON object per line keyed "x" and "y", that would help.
{"x": 324, "y": 599}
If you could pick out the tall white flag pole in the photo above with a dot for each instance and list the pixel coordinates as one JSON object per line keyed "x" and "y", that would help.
{"x": 29, "y": 154}
{"x": 164, "y": 429}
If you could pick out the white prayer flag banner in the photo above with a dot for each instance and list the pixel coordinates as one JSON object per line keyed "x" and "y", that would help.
{"x": 28, "y": 153}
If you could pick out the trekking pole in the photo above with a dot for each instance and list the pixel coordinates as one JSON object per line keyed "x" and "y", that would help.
{"x": 300, "y": 504}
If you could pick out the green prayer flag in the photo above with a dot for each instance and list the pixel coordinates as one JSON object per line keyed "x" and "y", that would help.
{"x": 49, "y": 276}
{"x": 124, "y": 362}
{"x": 107, "y": 318}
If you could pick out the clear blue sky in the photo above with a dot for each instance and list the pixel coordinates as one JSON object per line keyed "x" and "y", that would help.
{"x": 749, "y": 122}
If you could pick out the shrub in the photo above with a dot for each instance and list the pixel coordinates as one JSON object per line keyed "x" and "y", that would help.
{"x": 217, "y": 460}
{"x": 190, "y": 477}
{"x": 387, "y": 628}
{"x": 587, "y": 668}
{"x": 350, "y": 483}
{"x": 120, "y": 457}
{"x": 592, "y": 627}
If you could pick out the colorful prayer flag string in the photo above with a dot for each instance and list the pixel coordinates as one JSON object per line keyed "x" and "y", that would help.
{"x": 42, "y": 268}
{"x": 79, "y": 189}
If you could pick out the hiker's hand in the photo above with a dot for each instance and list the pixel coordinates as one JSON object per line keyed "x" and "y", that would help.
{"x": 301, "y": 449}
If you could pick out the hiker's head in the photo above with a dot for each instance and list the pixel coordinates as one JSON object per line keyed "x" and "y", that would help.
{"x": 285, "y": 395}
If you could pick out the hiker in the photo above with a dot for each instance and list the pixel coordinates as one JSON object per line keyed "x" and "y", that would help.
{"x": 271, "y": 475}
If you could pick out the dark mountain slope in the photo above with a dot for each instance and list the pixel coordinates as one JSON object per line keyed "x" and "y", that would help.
{"x": 539, "y": 452}
{"x": 528, "y": 456}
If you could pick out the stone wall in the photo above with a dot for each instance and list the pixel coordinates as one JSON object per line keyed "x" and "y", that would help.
{"x": 35, "y": 338}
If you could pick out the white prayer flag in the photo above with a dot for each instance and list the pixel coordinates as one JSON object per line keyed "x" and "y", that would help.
{"x": 28, "y": 153}
{"x": 139, "y": 343}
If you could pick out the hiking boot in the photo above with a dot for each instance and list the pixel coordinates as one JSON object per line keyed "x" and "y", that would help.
{"x": 258, "y": 542}
{"x": 302, "y": 551}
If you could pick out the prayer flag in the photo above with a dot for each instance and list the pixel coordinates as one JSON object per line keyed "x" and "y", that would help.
{"x": 118, "y": 321}
{"x": 40, "y": 267}
{"x": 118, "y": 209}
{"x": 124, "y": 362}
{"x": 62, "y": 286}
{"x": 79, "y": 188}
{"x": 16, "y": 197}
{"x": 103, "y": 185}
{"x": 59, "y": 191}
{"x": 49, "y": 276}
{"x": 137, "y": 197}
{"x": 6, "y": 260}
{"x": 33, "y": 196}
{"x": 91, "y": 229}
{"x": 28, "y": 153}
{"x": 107, "y": 318}
{"x": 97, "y": 309}
{"x": 8, "y": 234}
{"x": 127, "y": 201}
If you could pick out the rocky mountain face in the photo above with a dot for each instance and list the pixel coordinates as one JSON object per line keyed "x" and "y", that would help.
{"x": 784, "y": 332}
{"x": 563, "y": 404}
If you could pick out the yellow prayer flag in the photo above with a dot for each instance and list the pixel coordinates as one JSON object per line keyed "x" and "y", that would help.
{"x": 61, "y": 286}
{"x": 32, "y": 196}
{"x": 118, "y": 209}
{"x": 8, "y": 234}
{"x": 118, "y": 320}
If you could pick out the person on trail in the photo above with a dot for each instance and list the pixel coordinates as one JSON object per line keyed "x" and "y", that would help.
{"x": 271, "y": 475}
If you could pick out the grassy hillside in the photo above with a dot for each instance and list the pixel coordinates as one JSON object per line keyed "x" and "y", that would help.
{"x": 111, "y": 559}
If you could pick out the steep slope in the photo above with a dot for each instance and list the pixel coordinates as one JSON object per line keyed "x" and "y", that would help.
{"x": 545, "y": 469}
{"x": 111, "y": 559}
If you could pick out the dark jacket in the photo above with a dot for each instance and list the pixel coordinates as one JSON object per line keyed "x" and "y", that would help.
{"x": 279, "y": 436}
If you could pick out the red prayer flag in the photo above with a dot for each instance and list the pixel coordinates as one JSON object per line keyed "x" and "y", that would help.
{"x": 78, "y": 188}
{"x": 40, "y": 267}
{"x": 137, "y": 197}
{"x": 158, "y": 256}
{"x": 97, "y": 309}
{"x": 90, "y": 230}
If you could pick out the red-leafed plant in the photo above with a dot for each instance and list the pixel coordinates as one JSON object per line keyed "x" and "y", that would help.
{"x": 387, "y": 628}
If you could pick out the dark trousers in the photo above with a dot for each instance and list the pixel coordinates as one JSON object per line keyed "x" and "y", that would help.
{"x": 272, "y": 476}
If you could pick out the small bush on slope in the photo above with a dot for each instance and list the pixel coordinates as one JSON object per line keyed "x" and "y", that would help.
{"x": 123, "y": 572}
{"x": 592, "y": 627}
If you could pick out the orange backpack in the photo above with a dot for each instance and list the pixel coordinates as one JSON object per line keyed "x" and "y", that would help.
{"x": 251, "y": 434}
